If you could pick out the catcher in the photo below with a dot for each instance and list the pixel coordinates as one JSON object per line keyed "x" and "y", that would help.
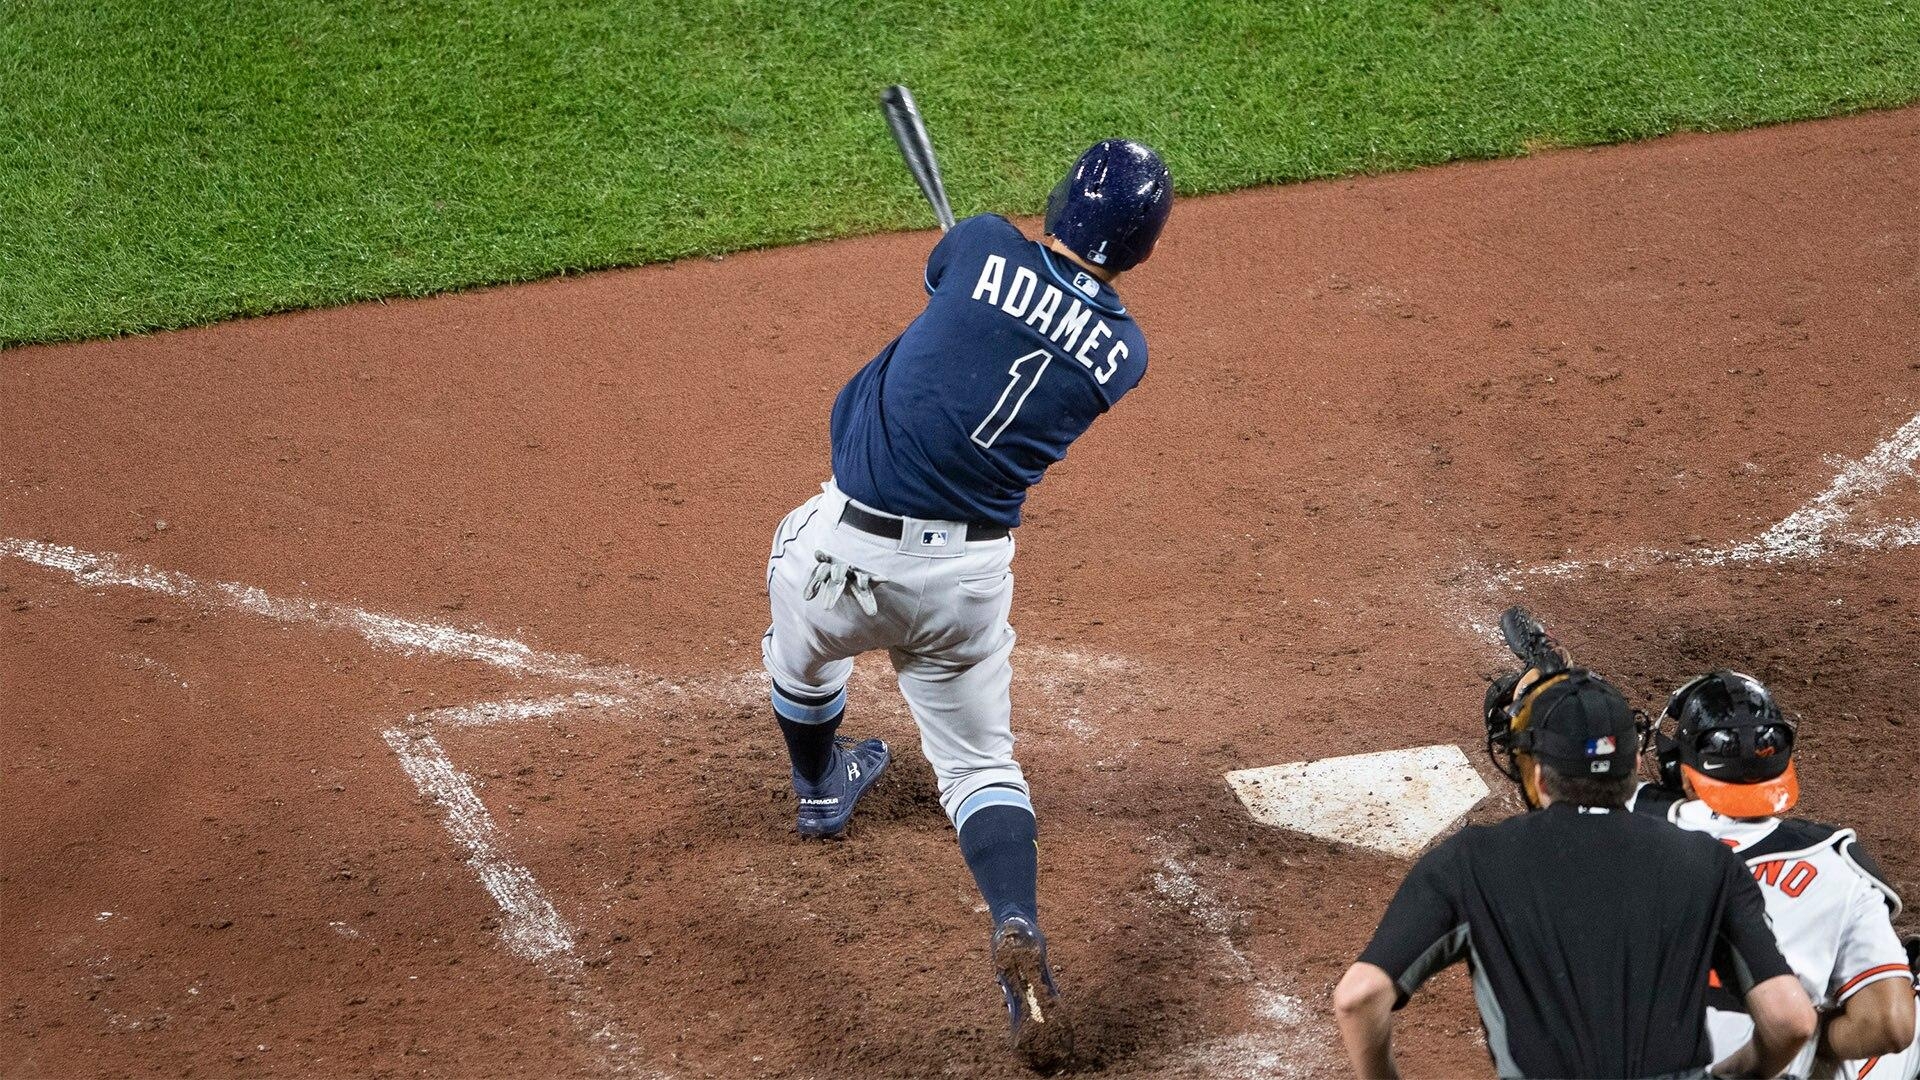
{"x": 1725, "y": 761}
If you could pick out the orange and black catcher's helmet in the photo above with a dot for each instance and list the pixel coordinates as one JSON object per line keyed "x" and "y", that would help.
{"x": 1732, "y": 744}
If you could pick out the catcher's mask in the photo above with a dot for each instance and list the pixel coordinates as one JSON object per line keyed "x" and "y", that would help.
{"x": 1574, "y": 722}
{"x": 1732, "y": 743}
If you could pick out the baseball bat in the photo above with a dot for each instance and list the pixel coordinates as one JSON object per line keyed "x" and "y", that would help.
{"x": 910, "y": 134}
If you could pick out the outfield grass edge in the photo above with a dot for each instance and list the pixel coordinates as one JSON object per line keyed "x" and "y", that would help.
{"x": 180, "y": 172}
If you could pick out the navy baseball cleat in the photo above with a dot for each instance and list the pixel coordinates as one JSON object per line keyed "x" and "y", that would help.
{"x": 1020, "y": 963}
{"x": 826, "y": 807}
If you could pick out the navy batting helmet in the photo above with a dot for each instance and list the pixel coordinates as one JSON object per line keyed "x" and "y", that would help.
{"x": 1111, "y": 205}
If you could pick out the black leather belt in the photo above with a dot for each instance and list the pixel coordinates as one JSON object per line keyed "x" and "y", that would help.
{"x": 891, "y": 527}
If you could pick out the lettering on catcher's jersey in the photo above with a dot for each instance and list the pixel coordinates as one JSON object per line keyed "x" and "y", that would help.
{"x": 1792, "y": 880}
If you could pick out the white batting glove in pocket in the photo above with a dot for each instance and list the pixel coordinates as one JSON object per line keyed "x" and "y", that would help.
{"x": 836, "y": 576}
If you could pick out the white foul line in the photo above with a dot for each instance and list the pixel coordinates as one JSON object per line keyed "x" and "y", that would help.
{"x": 381, "y": 631}
{"x": 1817, "y": 527}
{"x": 1808, "y": 530}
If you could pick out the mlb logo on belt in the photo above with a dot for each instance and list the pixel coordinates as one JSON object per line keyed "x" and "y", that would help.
{"x": 933, "y": 538}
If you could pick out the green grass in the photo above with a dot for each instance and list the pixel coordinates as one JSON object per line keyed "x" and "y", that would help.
{"x": 170, "y": 163}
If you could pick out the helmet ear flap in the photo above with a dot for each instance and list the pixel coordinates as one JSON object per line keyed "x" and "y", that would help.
{"x": 1666, "y": 759}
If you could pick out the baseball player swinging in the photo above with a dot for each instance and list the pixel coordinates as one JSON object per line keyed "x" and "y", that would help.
{"x": 1022, "y": 345}
{"x": 1726, "y": 769}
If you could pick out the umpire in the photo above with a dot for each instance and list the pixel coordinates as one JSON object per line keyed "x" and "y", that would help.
{"x": 1591, "y": 932}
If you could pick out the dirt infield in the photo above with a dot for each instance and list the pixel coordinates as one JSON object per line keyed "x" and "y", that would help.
{"x": 260, "y": 579}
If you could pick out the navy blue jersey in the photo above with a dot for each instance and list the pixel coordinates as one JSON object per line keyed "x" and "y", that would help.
{"x": 1017, "y": 352}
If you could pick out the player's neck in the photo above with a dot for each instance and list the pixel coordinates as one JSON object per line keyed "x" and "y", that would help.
{"x": 1101, "y": 272}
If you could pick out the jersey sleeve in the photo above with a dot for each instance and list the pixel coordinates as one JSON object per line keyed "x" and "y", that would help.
{"x": 1869, "y": 948}
{"x": 1745, "y": 953}
{"x": 1424, "y": 929}
{"x": 963, "y": 236}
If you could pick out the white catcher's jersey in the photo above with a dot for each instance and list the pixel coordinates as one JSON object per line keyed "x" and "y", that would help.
{"x": 1831, "y": 910}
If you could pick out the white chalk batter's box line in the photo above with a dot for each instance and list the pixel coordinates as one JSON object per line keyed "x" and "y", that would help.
{"x": 531, "y": 925}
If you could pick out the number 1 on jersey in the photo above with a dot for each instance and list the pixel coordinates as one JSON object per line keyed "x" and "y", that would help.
{"x": 1026, "y": 373}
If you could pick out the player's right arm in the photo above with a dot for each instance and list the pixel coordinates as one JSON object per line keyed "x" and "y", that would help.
{"x": 1363, "y": 1007}
{"x": 1421, "y": 932}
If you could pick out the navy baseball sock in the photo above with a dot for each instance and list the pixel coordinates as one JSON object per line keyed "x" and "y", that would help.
{"x": 810, "y": 746}
{"x": 809, "y": 722}
{"x": 999, "y": 843}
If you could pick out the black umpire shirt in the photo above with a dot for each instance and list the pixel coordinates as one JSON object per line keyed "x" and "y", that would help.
{"x": 1590, "y": 936}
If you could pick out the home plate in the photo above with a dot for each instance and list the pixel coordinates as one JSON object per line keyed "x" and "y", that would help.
{"x": 1395, "y": 801}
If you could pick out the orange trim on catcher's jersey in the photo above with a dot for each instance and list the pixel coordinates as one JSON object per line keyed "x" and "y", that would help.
{"x": 1867, "y": 1068}
{"x": 1868, "y": 974}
